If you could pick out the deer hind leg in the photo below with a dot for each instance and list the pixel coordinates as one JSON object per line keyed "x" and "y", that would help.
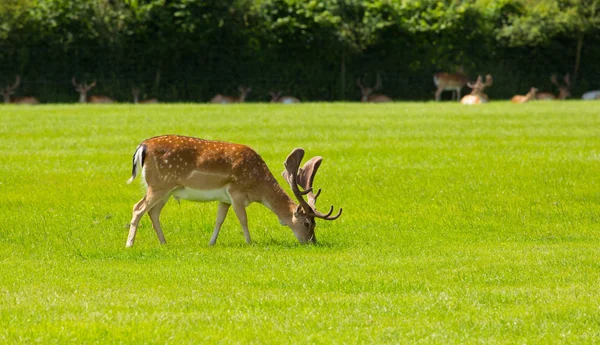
{"x": 149, "y": 200}
{"x": 458, "y": 94}
{"x": 154, "y": 214}
{"x": 221, "y": 214}
{"x": 438, "y": 94}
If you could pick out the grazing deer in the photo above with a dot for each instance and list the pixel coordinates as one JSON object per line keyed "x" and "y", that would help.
{"x": 83, "y": 89}
{"x": 9, "y": 90}
{"x": 591, "y": 95}
{"x": 136, "y": 97}
{"x": 219, "y": 98}
{"x": 276, "y": 97}
{"x": 203, "y": 170}
{"x": 369, "y": 96}
{"x": 477, "y": 96}
{"x": 563, "y": 90}
{"x": 524, "y": 99}
{"x": 449, "y": 81}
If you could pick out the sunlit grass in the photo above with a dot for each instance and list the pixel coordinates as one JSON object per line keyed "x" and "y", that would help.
{"x": 460, "y": 225}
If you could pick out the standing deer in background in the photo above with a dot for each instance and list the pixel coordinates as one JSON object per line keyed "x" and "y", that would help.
{"x": 219, "y": 98}
{"x": 449, "y": 81}
{"x": 9, "y": 90}
{"x": 204, "y": 170}
{"x": 477, "y": 96}
{"x": 563, "y": 90}
{"x": 524, "y": 99}
{"x": 83, "y": 89}
{"x": 276, "y": 97}
{"x": 369, "y": 96}
{"x": 136, "y": 97}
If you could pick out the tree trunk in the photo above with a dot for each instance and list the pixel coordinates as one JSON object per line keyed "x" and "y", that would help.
{"x": 577, "y": 59}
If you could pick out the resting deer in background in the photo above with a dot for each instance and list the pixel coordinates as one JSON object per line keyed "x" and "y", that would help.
{"x": 369, "y": 96}
{"x": 563, "y": 90}
{"x": 9, "y": 90}
{"x": 276, "y": 97}
{"x": 204, "y": 170}
{"x": 83, "y": 89}
{"x": 219, "y": 98}
{"x": 591, "y": 95}
{"x": 136, "y": 97}
{"x": 449, "y": 82}
{"x": 524, "y": 99}
{"x": 477, "y": 96}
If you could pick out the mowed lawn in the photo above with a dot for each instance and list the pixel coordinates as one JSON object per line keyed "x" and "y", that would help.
{"x": 461, "y": 225}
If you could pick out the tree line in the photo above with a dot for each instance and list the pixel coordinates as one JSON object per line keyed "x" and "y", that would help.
{"x": 190, "y": 50}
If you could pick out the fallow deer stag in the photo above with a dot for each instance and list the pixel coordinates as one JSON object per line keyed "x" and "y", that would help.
{"x": 477, "y": 96}
{"x": 9, "y": 90}
{"x": 83, "y": 89}
{"x": 202, "y": 170}
{"x": 449, "y": 82}
{"x": 524, "y": 99}
{"x": 369, "y": 96}
{"x": 276, "y": 97}
{"x": 135, "y": 91}
{"x": 219, "y": 98}
{"x": 563, "y": 90}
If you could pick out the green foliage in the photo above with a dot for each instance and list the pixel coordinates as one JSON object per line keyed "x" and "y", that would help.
{"x": 190, "y": 50}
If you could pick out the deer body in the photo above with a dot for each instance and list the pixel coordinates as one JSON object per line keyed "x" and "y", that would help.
{"x": 563, "y": 90}
{"x": 233, "y": 174}
{"x": 83, "y": 89}
{"x": 477, "y": 96}
{"x": 9, "y": 90}
{"x": 221, "y": 99}
{"x": 136, "y": 97}
{"x": 524, "y": 99}
{"x": 369, "y": 96}
{"x": 276, "y": 97}
{"x": 591, "y": 95}
{"x": 449, "y": 82}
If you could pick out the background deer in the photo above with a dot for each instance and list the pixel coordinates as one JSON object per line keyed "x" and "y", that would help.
{"x": 219, "y": 98}
{"x": 276, "y": 97}
{"x": 563, "y": 90}
{"x": 136, "y": 97}
{"x": 9, "y": 90}
{"x": 369, "y": 96}
{"x": 477, "y": 96}
{"x": 449, "y": 82}
{"x": 203, "y": 170}
{"x": 528, "y": 97}
{"x": 83, "y": 89}
{"x": 591, "y": 95}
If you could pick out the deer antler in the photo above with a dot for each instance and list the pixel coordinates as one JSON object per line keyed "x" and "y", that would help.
{"x": 360, "y": 84}
{"x": 488, "y": 80}
{"x": 476, "y": 84}
{"x": 10, "y": 89}
{"x": 378, "y": 82}
{"x": 554, "y": 80}
{"x": 567, "y": 80}
{"x": 307, "y": 174}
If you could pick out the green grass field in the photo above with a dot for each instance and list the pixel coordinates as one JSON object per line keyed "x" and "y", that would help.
{"x": 461, "y": 225}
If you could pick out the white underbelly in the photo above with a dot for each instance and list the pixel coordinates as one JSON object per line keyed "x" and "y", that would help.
{"x": 202, "y": 195}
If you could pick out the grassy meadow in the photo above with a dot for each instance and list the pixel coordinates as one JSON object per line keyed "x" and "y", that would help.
{"x": 461, "y": 225}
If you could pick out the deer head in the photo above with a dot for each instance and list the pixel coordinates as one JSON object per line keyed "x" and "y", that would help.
{"x": 563, "y": 90}
{"x": 83, "y": 89}
{"x": 9, "y": 90}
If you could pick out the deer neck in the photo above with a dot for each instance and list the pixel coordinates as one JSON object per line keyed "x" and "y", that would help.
{"x": 279, "y": 202}
{"x": 82, "y": 97}
{"x": 6, "y": 97}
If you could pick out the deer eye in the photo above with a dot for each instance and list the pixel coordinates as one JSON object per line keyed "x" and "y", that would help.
{"x": 306, "y": 224}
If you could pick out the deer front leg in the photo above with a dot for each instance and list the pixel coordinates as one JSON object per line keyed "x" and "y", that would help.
{"x": 438, "y": 94}
{"x": 221, "y": 214}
